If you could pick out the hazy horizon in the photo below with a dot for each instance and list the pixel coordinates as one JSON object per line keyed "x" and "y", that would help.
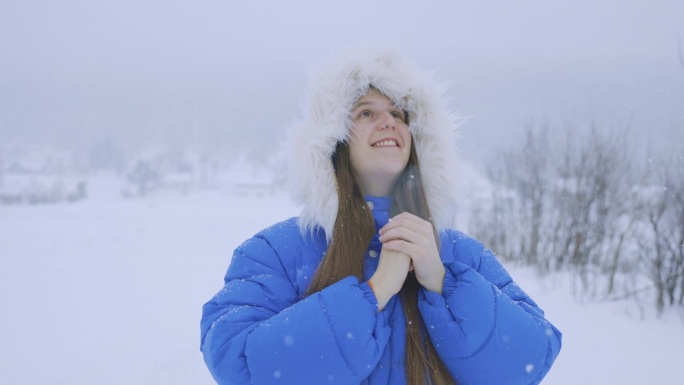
{"x": 233, "y": 76}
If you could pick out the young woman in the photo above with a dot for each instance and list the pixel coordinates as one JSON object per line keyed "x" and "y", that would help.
{"x": 371, "y": 285}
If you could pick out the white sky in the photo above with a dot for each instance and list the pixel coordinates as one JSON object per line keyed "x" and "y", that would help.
{"x": 184, "y": 71}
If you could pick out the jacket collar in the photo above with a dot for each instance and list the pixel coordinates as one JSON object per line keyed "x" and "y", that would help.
{"x": 381, "y": 208}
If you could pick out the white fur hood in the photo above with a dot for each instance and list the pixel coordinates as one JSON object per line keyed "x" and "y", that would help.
{"x": 332, "y": 93}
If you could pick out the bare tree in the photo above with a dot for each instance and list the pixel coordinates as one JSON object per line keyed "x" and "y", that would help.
{"x": 678, "y": 223}
{"x": 532, "y": 186}
{"x": 664, "y": 248}
{"x": 585, "y": 211}
{"x": 491, "y": 221}
{"x": 515, "y": 225}
{"x": 592, "y": 202}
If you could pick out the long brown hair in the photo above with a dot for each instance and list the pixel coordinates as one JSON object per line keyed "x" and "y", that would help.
{"x": 354, "y": 227}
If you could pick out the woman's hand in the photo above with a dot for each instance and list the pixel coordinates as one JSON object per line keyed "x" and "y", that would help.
{"x": 389, "y": 277}
{"x": 413, "y": 236}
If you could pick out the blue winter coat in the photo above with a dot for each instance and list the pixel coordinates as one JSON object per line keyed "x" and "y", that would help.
{"x": 261, "y": 329}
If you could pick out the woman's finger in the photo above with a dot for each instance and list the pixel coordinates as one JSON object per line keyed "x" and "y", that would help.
{"x": 402, "y": 233}
{"x": 403, "y": 246}
{"x": 408, "y": 221}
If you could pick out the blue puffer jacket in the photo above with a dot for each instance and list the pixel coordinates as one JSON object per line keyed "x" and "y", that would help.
{"x": 261, "y": 329}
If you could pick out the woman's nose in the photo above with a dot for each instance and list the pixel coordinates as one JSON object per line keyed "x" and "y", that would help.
{"x": 387, "y": 121}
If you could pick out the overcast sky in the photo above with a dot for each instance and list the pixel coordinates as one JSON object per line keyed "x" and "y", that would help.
{"x": 198, "y": 72}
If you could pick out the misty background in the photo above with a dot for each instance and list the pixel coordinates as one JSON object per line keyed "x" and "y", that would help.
{"x": 139, "y": 146}
{"x": 227, "y": 78}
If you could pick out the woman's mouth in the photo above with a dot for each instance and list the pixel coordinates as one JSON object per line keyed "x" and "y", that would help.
{"x": 385, "y": 143}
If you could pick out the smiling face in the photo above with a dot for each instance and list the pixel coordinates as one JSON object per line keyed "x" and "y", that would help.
{"x": 379, "y": 144}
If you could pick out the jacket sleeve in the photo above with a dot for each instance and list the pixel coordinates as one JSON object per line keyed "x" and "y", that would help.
{"x": 257, "y": 331}
{"x": 484, "y": 327}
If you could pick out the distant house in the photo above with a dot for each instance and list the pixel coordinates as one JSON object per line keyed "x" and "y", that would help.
{"x": 29, "y": 188}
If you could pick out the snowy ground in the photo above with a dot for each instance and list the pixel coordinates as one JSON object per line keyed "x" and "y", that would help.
{"x": 109, "y": 291}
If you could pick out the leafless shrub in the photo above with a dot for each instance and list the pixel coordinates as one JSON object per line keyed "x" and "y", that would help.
{"x": 592, "y": 204}
{"x": 519, "y": 196}
{"x": 580, "y": 207}
{"x": 662, "y": 246}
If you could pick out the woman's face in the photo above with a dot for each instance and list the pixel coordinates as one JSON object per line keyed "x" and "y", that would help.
{"x": 380, "y": 143}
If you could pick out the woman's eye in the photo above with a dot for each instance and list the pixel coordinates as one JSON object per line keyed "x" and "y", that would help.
{"x": 365, "y": 114}
{"x": 398, "y": 115}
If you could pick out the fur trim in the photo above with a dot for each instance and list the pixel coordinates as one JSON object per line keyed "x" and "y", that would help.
{"x": 332, "y": 94}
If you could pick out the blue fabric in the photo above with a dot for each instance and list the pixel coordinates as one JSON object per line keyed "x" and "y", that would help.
{"x": 260, "y": 329}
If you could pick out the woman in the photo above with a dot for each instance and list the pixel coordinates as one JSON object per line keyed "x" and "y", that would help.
{"x": 342, "y": 294}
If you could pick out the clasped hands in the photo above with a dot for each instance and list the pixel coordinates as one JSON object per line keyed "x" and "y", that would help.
{"x": 408, "y": 243}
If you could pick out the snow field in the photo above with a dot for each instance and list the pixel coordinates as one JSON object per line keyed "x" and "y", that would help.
{"x": 110, "y": 291}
